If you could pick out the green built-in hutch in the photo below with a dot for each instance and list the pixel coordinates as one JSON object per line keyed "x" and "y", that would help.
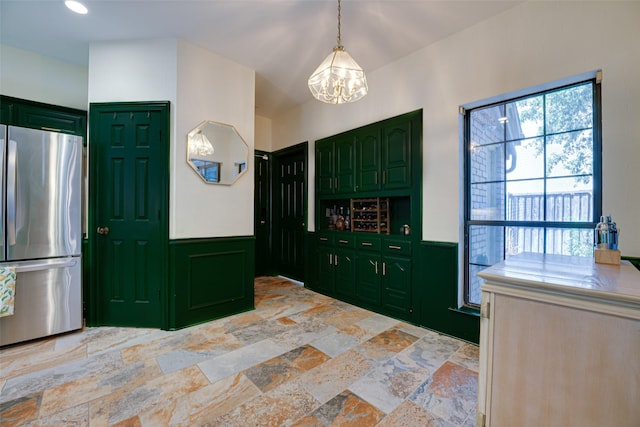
{"x": 377, "y": 260}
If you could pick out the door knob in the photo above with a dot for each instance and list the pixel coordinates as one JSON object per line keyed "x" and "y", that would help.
{"x": 103, "y": 230}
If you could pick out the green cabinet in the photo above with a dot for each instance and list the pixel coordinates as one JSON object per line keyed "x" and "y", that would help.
{"x": 336, "y": 265}
{"x": 374, "y": 158}
{"x": 35, "y": 115}
{"x": 370, "y": 271}
{"x": 335, "y": 166}
{"x": 383, "y": 156}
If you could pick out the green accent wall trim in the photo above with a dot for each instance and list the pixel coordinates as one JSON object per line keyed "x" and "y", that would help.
{"x": 210, "y": 278}
{"x": 436, "y": 292}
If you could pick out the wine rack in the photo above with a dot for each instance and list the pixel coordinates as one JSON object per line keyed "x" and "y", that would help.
{"x": 370, "y": 215}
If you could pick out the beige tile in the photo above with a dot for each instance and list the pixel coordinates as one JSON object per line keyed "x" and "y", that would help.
{"x": 128, "y": 401}
{"x": 205, "y": 404}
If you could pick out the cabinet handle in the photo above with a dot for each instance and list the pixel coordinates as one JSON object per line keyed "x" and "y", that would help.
{"x": 336, "y": 186}
{"x": 395, "y": 247}
{"x": 343, "y": 241}
{"x": 376, "y": 177}
{"x": 330, "y": 259}
{"x": 336, "y": 258}
{"x": 367, "y": 244}
{"x": 375, "y": 265}
{"x": 384, "y": 268}
{"x": 384, "y": 177}
{"x": 324, "y": 239}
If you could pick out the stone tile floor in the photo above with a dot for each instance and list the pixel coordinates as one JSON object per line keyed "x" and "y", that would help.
{"x": 298, "y": 359}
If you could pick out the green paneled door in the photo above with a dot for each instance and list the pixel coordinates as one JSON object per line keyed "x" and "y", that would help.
{"x": 290, "y": 210}
{"x": 396, "y": 155}
{"x": 345, "y": 166}
{"x": 324, "y": 167}
{"x": 129, "y": 148}
{"x": 396, "y": 285}
{"x": 345, "y": 272}
{"x": 368, "y": 284}
{"x": 368, "y": 160}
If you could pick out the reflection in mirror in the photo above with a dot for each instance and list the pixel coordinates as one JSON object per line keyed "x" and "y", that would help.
{"x": 217, "y": 152}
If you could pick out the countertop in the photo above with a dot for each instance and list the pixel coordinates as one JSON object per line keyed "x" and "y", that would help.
{"x": 568, "y": 275}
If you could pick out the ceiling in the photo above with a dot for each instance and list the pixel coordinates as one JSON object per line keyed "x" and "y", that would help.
{"x": 282, "y": 40}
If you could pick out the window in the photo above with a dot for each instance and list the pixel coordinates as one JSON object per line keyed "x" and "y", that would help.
{"x": 532, "y": 178}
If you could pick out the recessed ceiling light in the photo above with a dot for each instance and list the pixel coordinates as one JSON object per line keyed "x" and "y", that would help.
{"x": 76, "y": 6}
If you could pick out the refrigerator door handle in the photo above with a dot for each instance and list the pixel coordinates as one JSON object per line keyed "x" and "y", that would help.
{"x": 45, "y": 266}
{"x": 12, "y": 172}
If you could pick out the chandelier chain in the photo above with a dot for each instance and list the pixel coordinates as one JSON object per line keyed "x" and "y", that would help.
{"x": 339, "y": 34}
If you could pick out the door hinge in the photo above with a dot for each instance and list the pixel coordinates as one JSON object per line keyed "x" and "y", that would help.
{"x": 461, "y": 110}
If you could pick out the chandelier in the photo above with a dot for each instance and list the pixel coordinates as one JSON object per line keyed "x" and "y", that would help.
{"x": 199, "y": 145}
{"x": 338, "y": 79}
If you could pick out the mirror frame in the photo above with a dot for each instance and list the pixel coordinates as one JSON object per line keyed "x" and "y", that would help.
{"x": 216, "y": 163}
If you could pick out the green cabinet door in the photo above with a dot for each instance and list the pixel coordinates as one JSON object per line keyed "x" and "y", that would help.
{"x": 324, "y": 167}
{"x": 396, "y": 155}
{"x": 345, "y": 273}
{"x": 368, "y": 160}
{"x": 369, "y": 266}
{"x": 335, "y": 166}
{"x": 324, "y": 282}
{"x": 344, "y": 165}
{"x": 396, "y": 285}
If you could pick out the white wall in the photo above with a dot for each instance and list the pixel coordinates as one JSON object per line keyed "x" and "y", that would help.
{"x": 35, "y": 77}
{"x": 264, "y": 134}
{"x": 211, "y": 87}
{"x": 526, "y": 46}
{"x": 200, "y": 86}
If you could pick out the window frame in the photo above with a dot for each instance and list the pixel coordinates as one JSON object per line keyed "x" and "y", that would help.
{"x": 467, "y": 222}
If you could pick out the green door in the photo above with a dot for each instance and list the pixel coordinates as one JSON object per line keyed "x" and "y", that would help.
{"x": 262, "y": 214}
{"x": 290, "y": 210}
{"x": 129, "y": 150}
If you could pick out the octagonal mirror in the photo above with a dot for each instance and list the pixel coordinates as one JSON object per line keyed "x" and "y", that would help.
{"x": 217, "y": 152}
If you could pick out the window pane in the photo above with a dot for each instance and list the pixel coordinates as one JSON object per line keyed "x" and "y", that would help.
{"x": 529, "y": 115}
{"x": 486, "y": 244}
{"x": 570, "y": 153}
{"x": 525, "y": 159}
{"x": 487, "y": 163}
{"x": 475, "y": 294}
{"x": 524, "y": 239}
{"x": 570, "y": 109}
{"x": 486, "y": 126}
{"x": 487, "y": 201}
{"x": 570, "y": 241}
{"x": 569, "y": 199}
{"x": 525, "y": 200}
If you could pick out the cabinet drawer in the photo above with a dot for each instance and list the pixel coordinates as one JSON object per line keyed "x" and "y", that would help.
{"x": 368, "y": 243}
{"x": 345, "y": 241}
{"x": 397, "y": 247}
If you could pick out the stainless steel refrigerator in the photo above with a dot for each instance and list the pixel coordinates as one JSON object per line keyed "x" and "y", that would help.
{"x": 41, "y": 209}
